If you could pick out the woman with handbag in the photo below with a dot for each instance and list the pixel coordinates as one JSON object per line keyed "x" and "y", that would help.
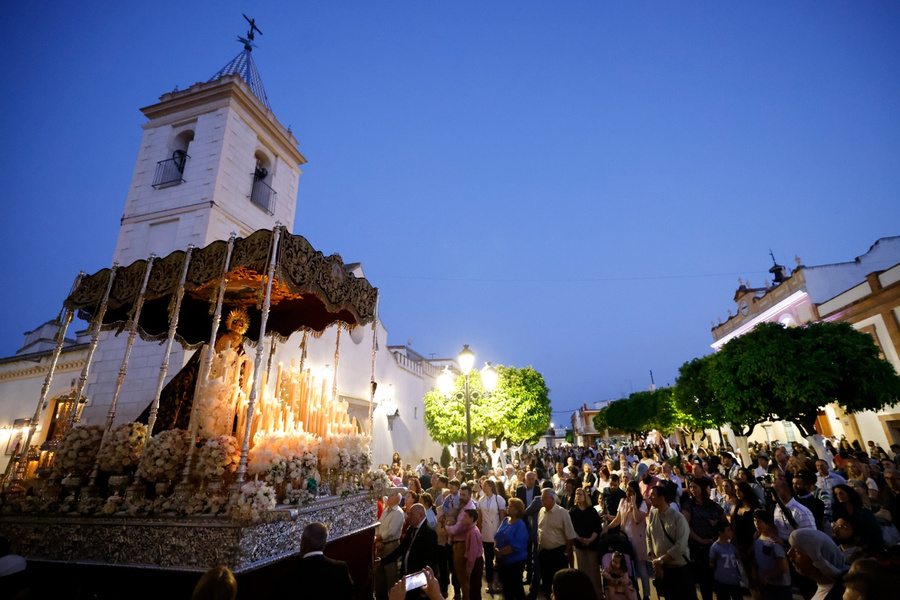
{"x": 491, "y": 512}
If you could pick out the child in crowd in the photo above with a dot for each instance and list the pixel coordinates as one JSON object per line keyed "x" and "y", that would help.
{"x": 474, "y": 551}
{"x": 771, "y": 559}
{"x": 616, "y": 582}
{"x": 723, "y": 559}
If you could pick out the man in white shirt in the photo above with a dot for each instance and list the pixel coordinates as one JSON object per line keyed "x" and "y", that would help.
{"x": 624, "y": 466}
{"x": 387, "y": 538}
{"x": 421, "y": 469}
{"x": 763, "y": 467}
{"x": 556, "y": 539}
{"x": 510, "y": 479}
{"x": 802, "y": 515}
{"x": 559, "y": 479}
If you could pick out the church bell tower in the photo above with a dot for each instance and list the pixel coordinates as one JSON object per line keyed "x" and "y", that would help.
{"x": 213, "y": 159}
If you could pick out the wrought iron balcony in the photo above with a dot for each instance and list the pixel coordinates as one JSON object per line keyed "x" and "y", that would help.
{"x": 169, "y": 172}
{"x": 262, "y": 195}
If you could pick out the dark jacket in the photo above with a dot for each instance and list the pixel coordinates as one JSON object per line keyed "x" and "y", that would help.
{"x": 423, "y": 552}
{"x": 520, "y": 493}
{"x": 531, "y": 510}
{"x": 815, "y": 506}
{"x": 321, "y": 577}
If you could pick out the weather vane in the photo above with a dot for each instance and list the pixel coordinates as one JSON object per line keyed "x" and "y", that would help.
{"x": 248, "y": 41}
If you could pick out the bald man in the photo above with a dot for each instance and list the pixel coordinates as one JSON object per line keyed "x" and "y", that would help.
{"x": 419, "y": 546}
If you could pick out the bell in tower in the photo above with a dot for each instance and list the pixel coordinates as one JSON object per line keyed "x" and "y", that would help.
{"x": 777, "y": 271}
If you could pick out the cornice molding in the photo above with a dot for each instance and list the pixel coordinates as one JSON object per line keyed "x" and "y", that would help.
{"x": 31, "y": 372}
{"x": 232, "y": 91}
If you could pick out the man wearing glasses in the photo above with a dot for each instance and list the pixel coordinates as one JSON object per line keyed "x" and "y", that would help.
{"x": 890, "y": 495}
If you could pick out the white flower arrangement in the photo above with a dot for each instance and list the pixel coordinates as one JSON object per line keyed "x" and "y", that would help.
{"x": 254, "y": 499}
{"x": 278, "y": 473}
{"x": 78, "y": 449}
{"x": 285, "y": 457}
{"x": 113, "y": 505}
{"x": 329, "y": 453}
{"x": 90, "y": 505}
{"x": 353, "y": 453}
{"x": 69, "y": 504}
{"x": 207, "y": 505}
{"x": 345, "y": 488}
{"x": 298, "y": 495}
{"x": 122, "y": 447}
{"x": 218, "y": 457}
{"x": 377, "y": 481}
{"x": 165, "y": 455}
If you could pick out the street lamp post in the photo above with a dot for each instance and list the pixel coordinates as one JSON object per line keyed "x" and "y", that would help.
{"x": 488, "y": 379}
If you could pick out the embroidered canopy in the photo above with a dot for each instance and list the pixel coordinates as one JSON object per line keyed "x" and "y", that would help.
{"x": 310, "y": 291}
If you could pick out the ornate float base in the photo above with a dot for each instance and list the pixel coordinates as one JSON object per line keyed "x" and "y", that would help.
{"x": 183, "y": 543}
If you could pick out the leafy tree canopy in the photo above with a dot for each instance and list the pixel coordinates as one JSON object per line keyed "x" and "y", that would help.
{"x": 693, "y": 396}
{"x": 600, "y": 422}
{"x": 518, "y": 410}
{"x": 775, "y": 372}
{"x": 642, "y": 412}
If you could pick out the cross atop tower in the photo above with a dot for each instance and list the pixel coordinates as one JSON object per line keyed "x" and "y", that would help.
{"x": 248, "y": 41}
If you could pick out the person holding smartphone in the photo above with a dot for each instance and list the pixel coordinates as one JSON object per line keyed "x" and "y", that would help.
{"x": 422, "y": 584}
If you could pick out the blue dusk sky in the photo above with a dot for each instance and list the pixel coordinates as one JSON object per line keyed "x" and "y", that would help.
{"x": 575, "y": 186}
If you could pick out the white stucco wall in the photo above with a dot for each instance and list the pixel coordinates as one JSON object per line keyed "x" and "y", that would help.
{"x": 20, "y": 389}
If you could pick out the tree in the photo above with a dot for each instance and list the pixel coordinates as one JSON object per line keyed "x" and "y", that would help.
{"x": 693, "y": 396}
{"x": 660, "y": 408}
{"x": 641, "y": 412}
{"x": 600, "y": 422}
{"x": 748, "y": 370}
{"x": 839, "y": 364}
{"x": 518, "y": 411}
{"x": 775, "y": 372}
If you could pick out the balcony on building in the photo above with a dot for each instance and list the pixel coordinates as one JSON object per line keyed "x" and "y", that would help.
{"x": 170, "y": 172}
{"x": 262, "y": 195}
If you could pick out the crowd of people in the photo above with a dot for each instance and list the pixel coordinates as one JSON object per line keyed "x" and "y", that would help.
{"x": 618, "y": 520}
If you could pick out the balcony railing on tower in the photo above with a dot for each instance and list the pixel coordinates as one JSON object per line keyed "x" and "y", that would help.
{"x": 169, "y": 172}
{"x": 262, "y": 195}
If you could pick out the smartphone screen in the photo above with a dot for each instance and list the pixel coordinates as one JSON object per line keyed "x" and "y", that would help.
{"x": 415, "y": 581}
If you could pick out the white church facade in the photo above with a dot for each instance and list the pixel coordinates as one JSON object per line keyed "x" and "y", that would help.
{"x": 214, "y": 161}
{"x": 864, "y": 292}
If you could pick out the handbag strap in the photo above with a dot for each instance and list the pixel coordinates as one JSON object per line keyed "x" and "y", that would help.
{"x": 671, "y": 541}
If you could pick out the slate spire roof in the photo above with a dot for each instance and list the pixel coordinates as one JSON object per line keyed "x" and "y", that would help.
{"x": 243, "y": 65}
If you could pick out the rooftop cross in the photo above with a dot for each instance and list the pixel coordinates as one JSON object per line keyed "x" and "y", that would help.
{"x": 248, "y": 41}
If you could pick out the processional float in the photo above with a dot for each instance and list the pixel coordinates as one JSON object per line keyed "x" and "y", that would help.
{"x": 293, "y": 437}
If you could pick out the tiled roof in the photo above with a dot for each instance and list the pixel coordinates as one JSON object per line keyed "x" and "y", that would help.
{"x": 243, "y": 65}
